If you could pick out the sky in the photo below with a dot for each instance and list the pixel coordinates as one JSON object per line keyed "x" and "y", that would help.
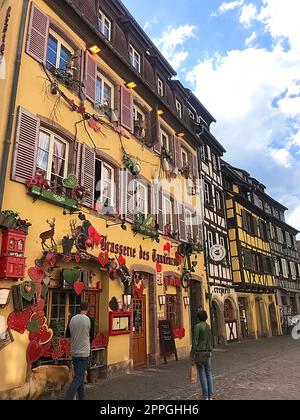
{"x": 242, "y": 60}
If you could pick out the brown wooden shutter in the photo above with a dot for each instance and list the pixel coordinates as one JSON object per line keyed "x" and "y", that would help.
{"x": 126, "y": 108}
{"x": 155, "y": 131}
{"x": 88, "y": 158}
{"x": 37, "y": 37}
{"x": 160, "y": 217}
{"x": 265, "y": 265}
{"x": 255, "y": 226}
{"x": 78, "y": 172}
{"x": 175, "y": 217}
{"x": 195, "y": 170}
{"x": 90, "y": 77}
{"x": 123, "y": 193}
{"x": 130, "y": 209}
{"x": 248, "y": 264}
{"x": 26, "y": 144}
{"x": 178, "y": 158}
{"x": 244, "y": 220}
{"x": 117, "y": 108}
{"x": 148, "y": 138}
{"x": 181, "y": 219}
{"x": 172, "y": 148}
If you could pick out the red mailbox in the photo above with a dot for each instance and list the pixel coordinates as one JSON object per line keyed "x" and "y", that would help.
{"x": 12, "y": 261}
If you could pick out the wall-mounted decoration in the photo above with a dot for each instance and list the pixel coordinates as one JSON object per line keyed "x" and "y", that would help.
{"x": 172, "y": 281}
{"x": 4, "y": 297}
{"x": 34, "y": 351}
{"x": 18, "y": 321}
{"x": 119, "y": 323}
{"x": 159, "y": 279}
{"x": 12, "y": 260}
{"x": 113, "y": 269}
{"x": 70, "y": 182}
{"x": 113, "y": 304}
{"x": 131, "y": 165}
{"x": 147, "y": 226}
{"x": 159, "y": 268}
{"x": 167, "y": 249}
{"x": 67, "y": 244}
{"x": 179, "y": 333}
{"x": 101, "y": 340}
{"x": 78, "y": 287}
{"x": 24, "y": 298}
{"x": 50, "y": 259}
{"x": 103, "y": 258}
{"x": 37, "y": 274}
{"x": 36, "y": 321}
{"x": 49, "y": 235}
{"x": 5, "y": 335}
{"x": 42, "y": 336}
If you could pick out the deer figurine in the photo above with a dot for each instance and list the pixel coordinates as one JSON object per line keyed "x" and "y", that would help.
{"x": 49, "y": 234}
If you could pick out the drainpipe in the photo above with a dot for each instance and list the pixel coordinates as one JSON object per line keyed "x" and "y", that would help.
{"x": 11, "y": 112}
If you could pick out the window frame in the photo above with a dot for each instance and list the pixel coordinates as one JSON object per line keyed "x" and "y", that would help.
{"x": 210, "y": 239}
{"x": 132, "y": 52}
{"x": 160, "y": 87}
{"x": 60, "y": 42}
{"x": 101, "y": 27}
{"x": 113, "y": 199}
{"x": 164, "y": 200}
{"x": 184, "y": 152}
{"x": 166, "y": 135}
{"x": 173, "y": 308}
{"x": 188, "y": 221}
{"x": 146, "y": 189}
{"x": 179, "y": 108}
{"x": 104, "y": 80}
{"x": 219, "y": 202}
{"x": 207, "y": 193}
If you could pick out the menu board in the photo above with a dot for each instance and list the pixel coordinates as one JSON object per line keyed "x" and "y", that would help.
{"x": 166, "y": 338}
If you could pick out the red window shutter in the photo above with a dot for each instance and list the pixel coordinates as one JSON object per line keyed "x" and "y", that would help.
{"x": 130, "y": 209}
{"x": 26, "y": 142}
{"x": 37, "y": 38}
{"x": 126, "y": 108}
{"x": 181, "y": 219}
{"x": 90, "y": 77}
{"x": 88, "y": 173}
{"x": 178, "y": 158}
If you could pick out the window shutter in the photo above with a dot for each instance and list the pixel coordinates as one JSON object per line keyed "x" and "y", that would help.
{"x": 195, "y": 169}
{"x": 88, "y": 173}
{"x": 265, "y": 265}
{"x": 255, "y": 226}
{"x": 78, "y": 172}
{"x": 160, "y": 218}
{"x": 155, "y": 131}
{"x": 123, "y": 193}
{"x": 196, "y": 227}
{"x": 90, "y": 77}
{"x": 25, "y": 152}
{"x": 172, "y": 148}
{"x": 126, "y": 108}
{"x": 175, "y": 217}
{"x": 37, "y": 37}
{"x": 130, "y": 209}
{"x": 244, "y": 220}
{"x": 148, "y": 139}
{"x": 181, "y": 218}
{"x": 178, "y": 159}
{"x": 284, "y": 268}
{"x": 248, "y": 259}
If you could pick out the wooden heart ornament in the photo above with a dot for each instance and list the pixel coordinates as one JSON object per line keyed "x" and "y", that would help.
{"x": 71, "y": 276}
{"x": 78, "y": 287}
{"x": 36, "y": 321}
{"x": 70, "y": 182}
{"x": 41, "y": 336}
{"x": 158, "y": 268}
{"x": 51, "y": 259}
{"x": 27, "y": 290}
{"x": 122, "y": 260}
{"x": 103, "y": 258}
{"x": 34, "y": 352}
{"x": 36, "y": 273}
{"x": 18, "y": 321}
{"x": 167, "y": 248}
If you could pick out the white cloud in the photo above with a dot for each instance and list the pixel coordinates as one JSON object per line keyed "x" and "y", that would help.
{"x": 172, "y": 41}
{"x": 282, "y": 157}
{"x": 248, "y": 14}
{"x": 229, "y": 6}
{"x": 294, "y": 218}
{"x": 250, "y": 40}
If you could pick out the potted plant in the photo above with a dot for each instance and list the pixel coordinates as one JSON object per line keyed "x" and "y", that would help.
{"x": 9, "y": 219}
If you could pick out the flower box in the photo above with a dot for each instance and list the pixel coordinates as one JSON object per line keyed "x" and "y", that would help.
{"x": 52, "y": 197}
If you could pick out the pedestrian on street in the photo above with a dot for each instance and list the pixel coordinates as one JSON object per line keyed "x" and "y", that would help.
{"x": 201, "y": 354}
{"x": 79, "y": 331}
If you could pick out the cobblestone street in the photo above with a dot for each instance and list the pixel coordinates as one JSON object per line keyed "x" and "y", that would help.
{"x": 256, "y": 370}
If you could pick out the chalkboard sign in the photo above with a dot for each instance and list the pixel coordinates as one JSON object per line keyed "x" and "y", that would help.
{"x": 166, "y": 338}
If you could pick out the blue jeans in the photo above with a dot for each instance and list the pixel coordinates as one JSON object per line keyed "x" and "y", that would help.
{"x": 206, "y": 379}
{"x": 77, "y": 386}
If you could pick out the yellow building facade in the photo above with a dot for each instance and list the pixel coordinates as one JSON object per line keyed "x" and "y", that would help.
{"x": 251, "y": 258}
{"x": 79, "y": 160}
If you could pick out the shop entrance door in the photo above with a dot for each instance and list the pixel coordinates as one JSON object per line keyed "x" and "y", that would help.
{"x": 273, "y": 320}
{"x": 139, "y": 352}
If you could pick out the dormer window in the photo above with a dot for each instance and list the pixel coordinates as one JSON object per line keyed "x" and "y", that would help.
{"x": 160, "y": 87}
{"x": 179, "y": 108}
{"x": 135, "y": 58}
{"x": 104, "y": 25}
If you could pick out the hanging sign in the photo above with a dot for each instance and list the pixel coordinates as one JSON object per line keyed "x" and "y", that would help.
{"x": 217, "y": 253}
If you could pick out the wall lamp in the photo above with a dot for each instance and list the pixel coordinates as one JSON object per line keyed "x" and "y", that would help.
{"x": 131, "y": 85}
{"x": 94, "y": 49}
{"x": 186, "y": 301}
{"x": 181, "y": 135}
{"x": 160, "y": 112}
{"x": 122, "y": 224}
{"x": 162, "y": 300}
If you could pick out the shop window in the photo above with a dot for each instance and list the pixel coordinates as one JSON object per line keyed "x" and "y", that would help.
{"x": 58, "y": 52}
{"x": 135, "y": 58}
{"x": 173, "y": 310}
{"x": 104, "y": 25}
{"x": 104, "y": 93}
{"x": 52, "y": 158}
{"x": 104, "y": 187}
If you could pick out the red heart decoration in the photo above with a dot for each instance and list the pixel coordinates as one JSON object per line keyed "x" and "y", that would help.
{"x": 77, "y": 258}
{"x": 18, "y": 321}
{"x": 158, "y": 267}
{"x": 67, "y": 258}
{"x": 40, "y": 315}
{"x": 103, "y": 258}
{"x": 48, "y": 350}
{"x": 51, "y": 259}
{"x": 39, "y": 306}
{"x": 36, "y": 274}
{"x": 122, "y": 260}
{"x": 178, "y": 258}
{"x": 65, "y": 345}
{"x": 78, "y": 287}
{"x": 167, "y": 248}
{"x": 38, "y": 290}
{"x": 58, "y": 353}
{"x": 42, "y": 336}
{"x": 34, "y": 352}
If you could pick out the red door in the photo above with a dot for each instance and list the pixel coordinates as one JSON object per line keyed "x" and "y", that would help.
{"x": 139, "y": 352}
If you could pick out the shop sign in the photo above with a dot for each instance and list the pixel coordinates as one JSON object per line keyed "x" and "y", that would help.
{"x": 132, "y": 252}
{"x": 221, "y": 290}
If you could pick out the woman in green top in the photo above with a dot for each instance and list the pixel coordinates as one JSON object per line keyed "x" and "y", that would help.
{"x": 202, "y": 342}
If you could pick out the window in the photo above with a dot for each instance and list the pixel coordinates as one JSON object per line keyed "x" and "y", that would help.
{"x": 207, "y": 193}
{"x": 184, "y": 158}
{"x": 192, "y": 115}
{"x": 179, "y": 108}
{"x": 219, "y": 201}
{"x": 58, "y": 53}
{"x": 104, "y": 187}
{"x": 135, "y": 58}
{"x": 165, "y": 141}
{"x": 188, "y": 216}
{"x": 104, "y": 25}
{"x": 215, "y": 162}
{"x": 293, "y": 270}
{"x": 62, "y": 305}
{"x": 267, "y": 208}
{"x": 139, "y": 122}
{"x": 52, "y": 157}
{"x": 173, "y": 310}
{"x": 204, "y": 152}
{"x": 167, "y": 215}
{"x": 140, "y": 198}
{"x": 160, "y": 87}
{"x": 104, "y": 93}
{"x": 210, "y": 239}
